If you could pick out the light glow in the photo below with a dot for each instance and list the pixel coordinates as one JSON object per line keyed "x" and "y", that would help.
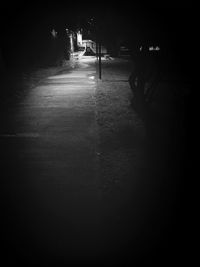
{"x": 152, "y": 48}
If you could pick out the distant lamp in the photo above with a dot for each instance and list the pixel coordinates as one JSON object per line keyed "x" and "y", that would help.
{"x": 151, "y": 48}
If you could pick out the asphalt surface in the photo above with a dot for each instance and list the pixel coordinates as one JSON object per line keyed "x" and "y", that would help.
{"x": 80, "y": 184}
{"x": 48, "y": 161}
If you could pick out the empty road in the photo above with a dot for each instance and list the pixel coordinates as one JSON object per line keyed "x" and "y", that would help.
{"x": 79, "y": 181}
{"x": 48, "y": 160}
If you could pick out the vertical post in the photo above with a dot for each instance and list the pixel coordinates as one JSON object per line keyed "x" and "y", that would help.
{"x": 97, "y": 49}
{"x": 99, "y": 60}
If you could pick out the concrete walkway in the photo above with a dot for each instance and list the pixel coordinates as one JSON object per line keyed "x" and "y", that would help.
{"x": 49, "y": 162}
{"x": 80, "y": 182}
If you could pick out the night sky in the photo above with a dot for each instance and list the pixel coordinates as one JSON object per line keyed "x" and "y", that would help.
{"x": 28, "y": 24}
{"x": 22, "y": 18}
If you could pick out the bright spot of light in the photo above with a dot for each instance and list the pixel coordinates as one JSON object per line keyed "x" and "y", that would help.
{"x": 92, "y": 77}
{"x": 151, "y": 48}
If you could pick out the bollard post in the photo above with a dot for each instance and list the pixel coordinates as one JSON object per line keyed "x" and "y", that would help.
{"x": 100, "y": 60}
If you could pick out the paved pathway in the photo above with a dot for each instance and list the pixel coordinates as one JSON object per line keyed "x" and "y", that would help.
{"x": 49, "y": 163}
{"x": 62, "y": 200}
